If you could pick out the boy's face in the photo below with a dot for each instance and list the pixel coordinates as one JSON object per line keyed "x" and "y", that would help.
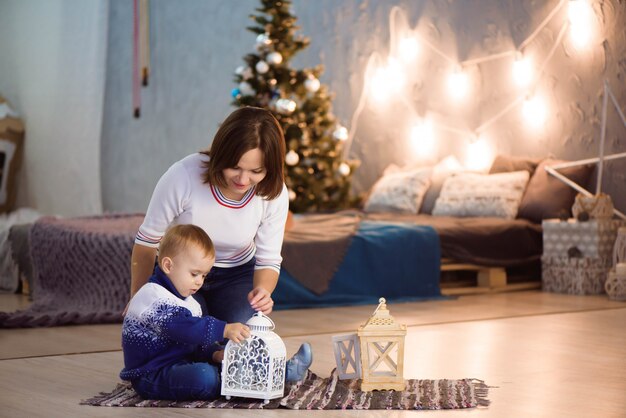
{"x": 187, "y": 269}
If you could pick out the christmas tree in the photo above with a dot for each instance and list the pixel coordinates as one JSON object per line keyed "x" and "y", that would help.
{"x": 317, "y": 176}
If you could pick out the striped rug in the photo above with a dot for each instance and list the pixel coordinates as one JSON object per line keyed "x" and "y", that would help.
{"x": 315, "y": 392}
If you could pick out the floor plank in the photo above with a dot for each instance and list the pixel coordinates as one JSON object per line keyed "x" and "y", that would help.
{"x": 560, "y": 364}
{"x": 22, "y": 343}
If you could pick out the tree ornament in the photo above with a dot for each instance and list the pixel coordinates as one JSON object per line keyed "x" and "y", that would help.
{"x": 312, "y": 84}
{"x": 235, "y": 93}
{"x": 272, "y": 82}
{"x": 340, "y": 133}
{"x": 263, "y": 40}
{"x": 285, "y": 106}
{"x": 239, "y": 70}
{"x": 247, "y": 73}
{"x": 274, "y": 58}
{"x": 262, "y": 67}
{"x": 246, "y": 89}
{"x": 344, "y": 169}
{"x": 292, "y": 158}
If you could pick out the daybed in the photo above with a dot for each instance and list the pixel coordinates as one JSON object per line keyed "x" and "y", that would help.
{"x": 489, "y": 223}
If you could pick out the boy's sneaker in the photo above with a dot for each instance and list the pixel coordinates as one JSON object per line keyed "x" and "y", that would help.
{"x": 298, "y": 365}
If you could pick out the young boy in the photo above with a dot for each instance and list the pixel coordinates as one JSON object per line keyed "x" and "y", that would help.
{"x": 170, "y": 349}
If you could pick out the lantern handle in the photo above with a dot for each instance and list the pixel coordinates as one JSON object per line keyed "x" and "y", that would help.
{"x": 381, "y": 302}
{"x": 259, "y": 313}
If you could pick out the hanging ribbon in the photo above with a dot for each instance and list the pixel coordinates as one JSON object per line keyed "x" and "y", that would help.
{"x": 136, "y": 90}
{"x": 144, "y": 41}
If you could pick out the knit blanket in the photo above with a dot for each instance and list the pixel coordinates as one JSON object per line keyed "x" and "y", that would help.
{"x": 315, "y": 247}
{"x": 315, "y": 392}
{"x": 82, "y": 270}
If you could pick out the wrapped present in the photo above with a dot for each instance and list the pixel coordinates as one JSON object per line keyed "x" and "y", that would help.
{"x": 577, "y": 276}
{"x": 593, "y": 238}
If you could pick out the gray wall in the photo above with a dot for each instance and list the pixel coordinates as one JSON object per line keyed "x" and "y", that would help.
{"x": 196, "y": 45}
{"x": 52, "y": 63}
{"x": 83, "y": 156}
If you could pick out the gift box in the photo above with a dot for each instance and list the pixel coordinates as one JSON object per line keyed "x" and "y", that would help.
{"x": 576, "y": 276}
{"x": 593, "y": 238}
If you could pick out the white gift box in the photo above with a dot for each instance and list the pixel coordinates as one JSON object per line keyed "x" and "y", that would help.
{"x": 594, "y": 238}
{"x": 576, "y": 276}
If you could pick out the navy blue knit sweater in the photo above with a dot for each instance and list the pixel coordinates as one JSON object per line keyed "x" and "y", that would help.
{"x": 162, "y": 328}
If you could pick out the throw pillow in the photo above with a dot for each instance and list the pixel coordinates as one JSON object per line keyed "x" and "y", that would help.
{"x": 399, "y": 191}
{"x": 444, "y": 169}
{"x": 506, "y": 164}
{"x": 546, "y": 196}
{"x": 482, "y": 195}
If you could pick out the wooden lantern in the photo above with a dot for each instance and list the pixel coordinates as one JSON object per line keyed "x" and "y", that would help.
{"x": 255, "y": 368}
{"x": 347, "y": 356}
{"x": 382, "y": 351}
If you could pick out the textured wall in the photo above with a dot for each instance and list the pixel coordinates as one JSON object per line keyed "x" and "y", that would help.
{"x": 197, "y": 44}
{"x": 52, "y": 62}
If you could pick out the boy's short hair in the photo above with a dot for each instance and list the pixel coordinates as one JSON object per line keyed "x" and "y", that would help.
{"x": 178, "y": 237}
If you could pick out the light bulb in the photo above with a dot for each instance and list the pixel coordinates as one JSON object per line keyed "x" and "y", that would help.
{"x": 387, "y": 81}
{"x": 579, "y": 13}
{"x": 458, "y": 84}
{"x": 408, "y": 48}
{"x": 535, "y": 111}
{"x": 522, "y": 71}
{"x": 423, "y": 139}
{"x": 479, "y": 154}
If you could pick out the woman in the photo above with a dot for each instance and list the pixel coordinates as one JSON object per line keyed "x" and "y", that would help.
{"x": 236, "y": 193}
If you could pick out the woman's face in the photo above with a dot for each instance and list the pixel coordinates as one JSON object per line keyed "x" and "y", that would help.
{"x": 248, "y": 173}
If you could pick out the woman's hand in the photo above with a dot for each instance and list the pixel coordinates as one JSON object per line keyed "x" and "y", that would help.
{"x": 236, "y": 332}
{"x": 261, "y": 300}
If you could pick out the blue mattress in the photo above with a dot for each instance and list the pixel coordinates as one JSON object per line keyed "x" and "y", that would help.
{"x": 397, "y": 261}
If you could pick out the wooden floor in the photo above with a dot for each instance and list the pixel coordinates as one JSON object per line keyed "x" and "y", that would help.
{"x": 547, "y": 355}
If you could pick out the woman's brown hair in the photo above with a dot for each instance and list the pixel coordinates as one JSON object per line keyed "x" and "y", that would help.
{"x": 243, "y": 130}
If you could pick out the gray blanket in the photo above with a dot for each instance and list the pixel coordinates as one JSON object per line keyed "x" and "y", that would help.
{"x": 83, "y": 267}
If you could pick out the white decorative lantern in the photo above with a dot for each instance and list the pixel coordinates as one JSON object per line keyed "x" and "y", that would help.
{"x": 382, "y": 351}
{"x": 347, "y": 356}
{"x": 255, "y": 368}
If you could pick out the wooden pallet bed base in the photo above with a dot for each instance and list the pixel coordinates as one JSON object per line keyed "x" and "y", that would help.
{"x": 489, "y": 279}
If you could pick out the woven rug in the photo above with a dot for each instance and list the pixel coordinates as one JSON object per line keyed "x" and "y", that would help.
{"x": 315, "y": 392}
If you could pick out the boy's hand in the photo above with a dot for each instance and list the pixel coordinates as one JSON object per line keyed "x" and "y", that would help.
{"x": 236, "y": 332}
{"x": 218, "y": 356}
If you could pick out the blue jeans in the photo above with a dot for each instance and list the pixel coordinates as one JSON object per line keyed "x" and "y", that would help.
{"x": 224, "y": 294}
{"x": 181, "y": 381}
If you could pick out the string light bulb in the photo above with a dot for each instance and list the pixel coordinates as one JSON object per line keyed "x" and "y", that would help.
{"x": 522, "y": 70}
{"x": 458, "y": 84}
{"x": 534, "y": 110}
{"x": 408, "y": 49}
{"x": 387, "y": 81}
{"x": 422, "y": 139}
{"x": 579, "y": 13}
{"x": 479, "y": 154}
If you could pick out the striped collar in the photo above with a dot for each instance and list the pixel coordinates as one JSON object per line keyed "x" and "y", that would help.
{"x": 230, "y": 203}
